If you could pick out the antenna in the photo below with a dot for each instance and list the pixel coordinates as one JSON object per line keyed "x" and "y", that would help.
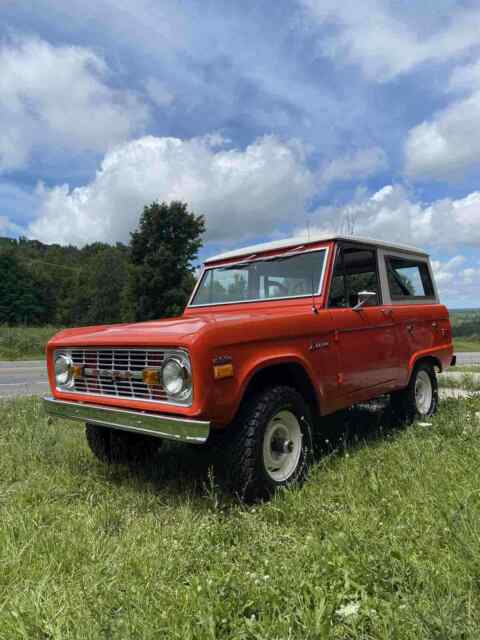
{"x": 314, "y": 308}
{"x": 347, "y": 223}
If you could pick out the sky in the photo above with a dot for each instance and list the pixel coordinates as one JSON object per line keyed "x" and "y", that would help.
{"x": 266, "y": 117}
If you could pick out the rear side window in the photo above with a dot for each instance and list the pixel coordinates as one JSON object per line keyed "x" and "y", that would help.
{"x": 408, "y": 279}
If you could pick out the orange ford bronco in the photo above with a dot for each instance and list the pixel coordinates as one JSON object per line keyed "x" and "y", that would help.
{"x": 274, "y": 337}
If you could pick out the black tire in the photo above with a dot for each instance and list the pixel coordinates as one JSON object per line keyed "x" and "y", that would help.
{"x": 246, "y": 472}
{"x": 406, "y": 404}
{"x": 120, "y": 447}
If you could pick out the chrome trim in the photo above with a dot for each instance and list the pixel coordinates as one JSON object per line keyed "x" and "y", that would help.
{"x": 231, "y": 264}
{"x": 152, "y": 424}
{"x": 186, "y": 368}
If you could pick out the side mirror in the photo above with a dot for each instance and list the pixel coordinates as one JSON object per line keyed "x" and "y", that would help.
{"x": 363, "y": 298}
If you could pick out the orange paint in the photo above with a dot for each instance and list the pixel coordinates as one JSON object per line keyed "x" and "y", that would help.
{"x": 363, "y": 355}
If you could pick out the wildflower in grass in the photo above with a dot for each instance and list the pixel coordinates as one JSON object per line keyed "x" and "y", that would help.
{"x": 348, "y": 610}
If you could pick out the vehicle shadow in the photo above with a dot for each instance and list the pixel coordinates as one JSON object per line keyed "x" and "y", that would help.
{"x": 357, "y": 426}
{"x": 188, "y": 469}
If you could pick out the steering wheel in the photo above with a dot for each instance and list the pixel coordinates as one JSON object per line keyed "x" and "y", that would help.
{"x": 282, "y": 289}
{"x": 300, "y": 289}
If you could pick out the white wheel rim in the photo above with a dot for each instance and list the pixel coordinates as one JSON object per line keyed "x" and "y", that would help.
{"x": 282, "y": 446}
{"x": 423, "y": 393}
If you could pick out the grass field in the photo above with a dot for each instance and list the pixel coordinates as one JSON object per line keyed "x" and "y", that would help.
{"x": 472, "y": 368}
{"x": 381, "y": 543}
{"x": 463, "y": 345}
{"x": 24, "y": 343}
{"x": 467, "y": 382}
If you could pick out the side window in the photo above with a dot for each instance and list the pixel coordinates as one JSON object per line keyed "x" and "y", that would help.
{"x": 355, "y": 271}
{"x": 408, "y": 279}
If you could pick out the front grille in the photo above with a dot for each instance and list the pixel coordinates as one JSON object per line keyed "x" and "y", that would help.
{"x": 118, "y": 373}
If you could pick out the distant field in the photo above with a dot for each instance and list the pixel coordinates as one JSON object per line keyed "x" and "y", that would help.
{"x": 463, "y": 345}
{"x": 466, "y": 329}
{"x": 24, "y": 343}
{"x": 381, "y": 543}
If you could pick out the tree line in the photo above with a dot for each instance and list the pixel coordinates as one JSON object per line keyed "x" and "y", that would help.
{"x": 150, "y": 277}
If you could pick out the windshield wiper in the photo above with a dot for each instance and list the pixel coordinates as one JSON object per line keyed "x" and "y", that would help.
{"x": 253, "y": 259}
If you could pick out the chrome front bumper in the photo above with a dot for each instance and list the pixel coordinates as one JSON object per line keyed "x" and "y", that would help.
{"x": 152, "y": 424}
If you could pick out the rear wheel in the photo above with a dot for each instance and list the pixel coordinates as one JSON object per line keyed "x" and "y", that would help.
{"x": 270, "y": 445}
{"x": 120, "y": 447}
{"x": 420, "y": 398}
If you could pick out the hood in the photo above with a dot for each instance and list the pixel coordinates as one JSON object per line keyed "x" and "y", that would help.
{"x": 171, "y": 332}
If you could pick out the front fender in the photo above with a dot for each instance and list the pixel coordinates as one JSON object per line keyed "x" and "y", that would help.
{"x": 230, "y": 393}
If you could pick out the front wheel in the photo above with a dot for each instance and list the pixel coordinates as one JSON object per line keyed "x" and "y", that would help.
{"x": 420, "y": 398}
{"x": 120, "y": 447}
{"x": 270, "y": 445}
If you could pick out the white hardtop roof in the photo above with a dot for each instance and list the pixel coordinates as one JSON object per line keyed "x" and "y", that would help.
{"x": 314, "y": 239}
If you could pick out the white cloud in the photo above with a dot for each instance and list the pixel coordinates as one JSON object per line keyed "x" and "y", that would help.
{"x": 358, "y": 164}
{"x": 59, "y": 96}
{"x": 447, "y": 145}
{"x": 457, "y": 282}
{"x": 242, "y": 193}
{"x": 393, "y": 215}
{"x": 372, "y": 35}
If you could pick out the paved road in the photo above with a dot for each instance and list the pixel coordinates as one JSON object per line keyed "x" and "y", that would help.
{"x": 23, "y": 379}
{"x": 30, "y": 377}
{"x": 468, "y": 358}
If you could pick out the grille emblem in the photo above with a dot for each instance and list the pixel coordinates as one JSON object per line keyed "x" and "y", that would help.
{"x": 113, "y": 375}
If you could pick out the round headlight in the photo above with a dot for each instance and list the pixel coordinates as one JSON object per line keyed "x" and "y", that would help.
{"x": 63, "y": 370}
{"x": 176, "y": 377}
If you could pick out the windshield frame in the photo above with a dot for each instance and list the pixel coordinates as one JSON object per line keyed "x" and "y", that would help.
{"x": 260, "y": 258}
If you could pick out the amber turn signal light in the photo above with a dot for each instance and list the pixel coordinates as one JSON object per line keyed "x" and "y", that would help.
{"x": 77, "y": 371}
{"x": 151, "y": 377}
{"x": 221, "y": 371}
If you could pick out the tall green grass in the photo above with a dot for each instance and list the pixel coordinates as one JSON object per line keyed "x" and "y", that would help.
{"x": 383, "y": 542}
{"x": 24, "y": 343}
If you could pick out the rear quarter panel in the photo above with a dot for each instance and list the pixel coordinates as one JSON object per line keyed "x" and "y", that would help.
{"x": 423, "y": 331}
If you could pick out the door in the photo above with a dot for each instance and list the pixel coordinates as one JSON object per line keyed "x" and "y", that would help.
{"x": 365, "y": 336}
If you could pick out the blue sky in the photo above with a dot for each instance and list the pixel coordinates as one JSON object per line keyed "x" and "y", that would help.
{"x": 261, "y": 115}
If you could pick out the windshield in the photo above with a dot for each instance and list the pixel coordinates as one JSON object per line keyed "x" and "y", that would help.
{"x": 284, "y": 276}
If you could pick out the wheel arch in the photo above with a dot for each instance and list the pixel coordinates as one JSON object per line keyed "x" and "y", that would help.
{"x": 427, "y": 359}
{"x": 290, "y": 372}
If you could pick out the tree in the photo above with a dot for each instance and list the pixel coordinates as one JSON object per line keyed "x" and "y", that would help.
{"x": 107, "y": 279}
{"x": 20, "y": 299}
{"x": 162, "y": 251}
